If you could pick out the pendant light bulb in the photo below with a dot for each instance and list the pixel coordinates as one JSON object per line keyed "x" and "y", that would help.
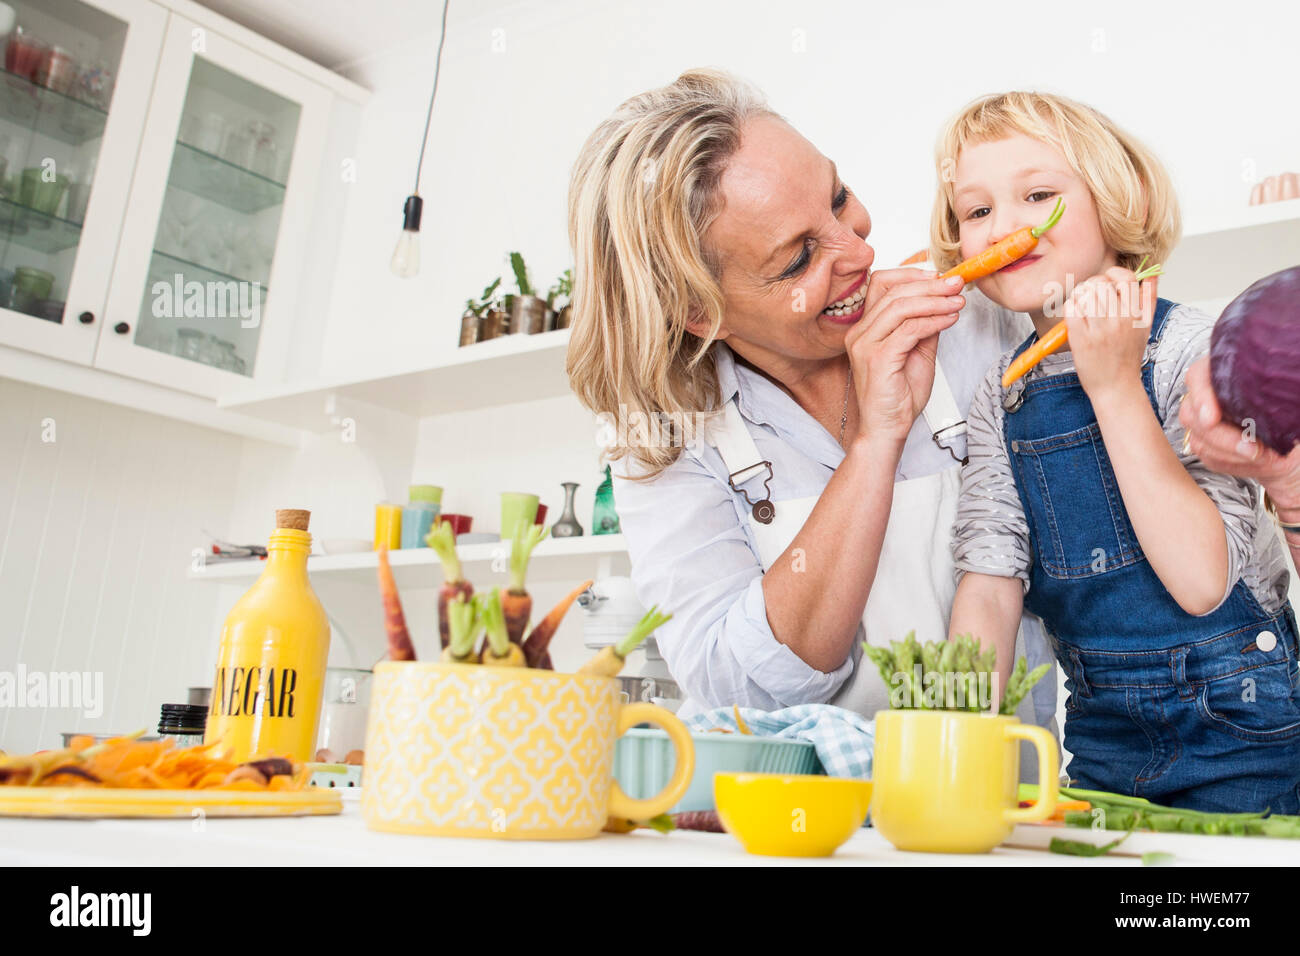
{"x": 406, "y": 257}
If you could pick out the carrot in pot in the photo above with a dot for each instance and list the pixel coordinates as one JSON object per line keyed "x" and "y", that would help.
{"x": 1005, "y": 251}
{"x": 536, "y": 651}
{"x": 400, "y": 647}
{"x": 517, "y": 603}
{"x": 465, "y": 620}
{"x": 443, "y": 541}
{"x": 609, "y": 660}
{"x": 1056, "y": 337}
{"x": 499, "y": 651}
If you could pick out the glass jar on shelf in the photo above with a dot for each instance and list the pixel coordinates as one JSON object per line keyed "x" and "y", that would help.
{"x": 57, "y": 70}
{"x": 24, "y": 53}
{"x": 230, "y": 360}
{"x": 264, "y": 158}
{"x": 189, "y": 344}
{"x": 237, "y": 147}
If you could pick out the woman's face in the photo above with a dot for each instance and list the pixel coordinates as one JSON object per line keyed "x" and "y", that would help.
{"x": 790, "y": 240}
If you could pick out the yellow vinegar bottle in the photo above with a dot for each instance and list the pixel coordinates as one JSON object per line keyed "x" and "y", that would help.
{"x": 266, "y": 695}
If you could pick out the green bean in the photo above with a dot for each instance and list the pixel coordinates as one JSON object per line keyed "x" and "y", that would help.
{"x": 1075, "y": 848}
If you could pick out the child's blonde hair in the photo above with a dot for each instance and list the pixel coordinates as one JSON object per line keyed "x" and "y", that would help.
{"x": 1135, "y": 197}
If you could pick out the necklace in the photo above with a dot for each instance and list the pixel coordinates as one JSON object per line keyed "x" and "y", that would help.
{"x": 844, "y": 412}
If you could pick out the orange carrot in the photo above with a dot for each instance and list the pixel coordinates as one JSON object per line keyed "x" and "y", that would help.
{"x": 1005, "y": 251}
{"x": 516, "y": 602}
{"x": 400, "y": 647}
{"x": 535, "y": 648}
{"x": 1055, "y": 338}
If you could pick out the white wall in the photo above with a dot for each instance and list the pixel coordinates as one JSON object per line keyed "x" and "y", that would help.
{"x": 1211, "y": 88}
{"x": 96, "y": 529}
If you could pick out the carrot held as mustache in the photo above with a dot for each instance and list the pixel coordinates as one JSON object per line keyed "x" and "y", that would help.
{"x": 1005, "y": 251}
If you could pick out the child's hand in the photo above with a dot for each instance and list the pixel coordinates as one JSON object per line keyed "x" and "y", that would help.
{"x": 1109, "y": 319}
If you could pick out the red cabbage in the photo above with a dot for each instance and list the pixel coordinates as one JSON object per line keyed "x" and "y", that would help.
{"x": 1255, "y": 359}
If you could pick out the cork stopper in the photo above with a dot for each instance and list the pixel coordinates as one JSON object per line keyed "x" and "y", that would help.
{"x": 294, "y": 518}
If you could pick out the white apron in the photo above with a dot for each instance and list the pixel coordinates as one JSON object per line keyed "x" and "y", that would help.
{"x": 915, "y": 578}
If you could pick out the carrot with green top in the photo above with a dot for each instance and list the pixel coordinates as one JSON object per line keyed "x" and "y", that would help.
{"x": 1058, "y": 335}
{"x": 609, "y": 661}
{"x": 465, "y": 620}
{"x": 443, "y": 541}
{"x": 1005, "y": 251}
{"x": 517, "y": 603}
{"x": 499, "y": 651}
{"x": 539, "y": 640}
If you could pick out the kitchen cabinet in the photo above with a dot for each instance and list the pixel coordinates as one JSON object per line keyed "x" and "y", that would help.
{"x": 220, "y": 210}
{"x": 202, "y": 175}
{"x": 59, "y": 232}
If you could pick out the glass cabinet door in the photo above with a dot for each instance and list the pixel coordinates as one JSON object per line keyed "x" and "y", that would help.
{"x": 58, "y": 89}
{"x": 217, "y": 216}
{"x": 210, "y": 265}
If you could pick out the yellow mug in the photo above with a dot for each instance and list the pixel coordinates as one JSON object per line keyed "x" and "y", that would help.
{"x": 504, "y": 753}
{"x": 947, "y": 781}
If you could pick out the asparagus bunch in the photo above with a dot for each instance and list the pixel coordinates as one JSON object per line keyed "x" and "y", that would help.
{"x": 948, "y": 675}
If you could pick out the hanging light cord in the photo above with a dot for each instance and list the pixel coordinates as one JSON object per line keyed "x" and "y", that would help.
{"x": 437, "y": 65}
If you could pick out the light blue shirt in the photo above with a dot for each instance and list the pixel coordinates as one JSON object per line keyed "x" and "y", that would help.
{"x": 693, "y": 551}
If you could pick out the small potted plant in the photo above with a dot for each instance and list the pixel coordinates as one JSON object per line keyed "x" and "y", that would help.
{"x": 559, "y": 299}
{"x": 527, "y": 310}
{"x": 473, "y": 323}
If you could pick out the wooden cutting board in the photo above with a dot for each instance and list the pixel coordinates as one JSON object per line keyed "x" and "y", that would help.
{"x": 109, "y": 802}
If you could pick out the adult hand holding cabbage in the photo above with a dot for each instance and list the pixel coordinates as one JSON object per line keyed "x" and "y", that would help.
{"x": 1242, "y": 409}
{"x": 1222, "y": 445}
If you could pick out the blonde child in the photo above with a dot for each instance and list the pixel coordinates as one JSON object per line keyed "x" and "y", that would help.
{"x": 1162, "y": 587}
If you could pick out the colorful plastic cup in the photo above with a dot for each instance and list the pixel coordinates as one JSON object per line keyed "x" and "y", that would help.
{"x": 517, "y": 508}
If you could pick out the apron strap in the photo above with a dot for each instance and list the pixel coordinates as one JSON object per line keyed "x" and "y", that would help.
{"x": 736, "y": 446}
{"x": 741, "y": 456}
{"x": 941, "y": 414}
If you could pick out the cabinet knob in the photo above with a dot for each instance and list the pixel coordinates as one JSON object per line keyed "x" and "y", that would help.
{"x": 121, "y": 328}
{"x": 86, "y": 318}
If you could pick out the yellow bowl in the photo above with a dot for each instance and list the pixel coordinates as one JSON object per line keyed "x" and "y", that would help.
{"x": 775, "y": 814}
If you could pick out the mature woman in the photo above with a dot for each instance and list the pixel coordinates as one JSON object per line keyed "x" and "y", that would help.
{"x": 722, "y": 276}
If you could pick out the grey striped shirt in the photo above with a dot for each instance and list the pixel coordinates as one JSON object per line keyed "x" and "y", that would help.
{"x": 992, "y": 535}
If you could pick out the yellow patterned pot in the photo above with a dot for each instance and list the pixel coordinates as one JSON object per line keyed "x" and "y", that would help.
{"x": 503, "y": 752}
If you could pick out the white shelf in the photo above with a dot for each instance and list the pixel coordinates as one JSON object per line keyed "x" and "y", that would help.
{"x": 555, "y": 559}
{"x": 501, "y": 371}
{"x": 1219, "y": 259}
{"x": 1244, "y": 218}
{"x": 47, "y": 372}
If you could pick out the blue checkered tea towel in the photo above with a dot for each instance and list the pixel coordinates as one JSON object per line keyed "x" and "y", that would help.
{"x": 844, "y": 740}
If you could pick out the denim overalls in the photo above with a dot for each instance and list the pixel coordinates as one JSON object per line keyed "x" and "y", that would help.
{"x": 1195, "y": 712}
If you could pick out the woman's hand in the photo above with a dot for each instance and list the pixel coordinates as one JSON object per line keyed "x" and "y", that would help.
{"x": 1109, "y": 320}
{"x": 892, "y": 349}
{"x": 1225, "y": 447}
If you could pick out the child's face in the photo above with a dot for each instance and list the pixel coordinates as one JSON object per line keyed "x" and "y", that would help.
{"x": 1006, "y": 184}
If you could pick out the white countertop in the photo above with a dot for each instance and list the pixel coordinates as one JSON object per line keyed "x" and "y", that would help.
{"x": 344, "y": 841}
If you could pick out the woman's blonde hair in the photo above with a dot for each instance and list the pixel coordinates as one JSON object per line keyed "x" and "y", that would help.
{"x": 1135, "y": 197}
{"x": 644, "y": 191}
